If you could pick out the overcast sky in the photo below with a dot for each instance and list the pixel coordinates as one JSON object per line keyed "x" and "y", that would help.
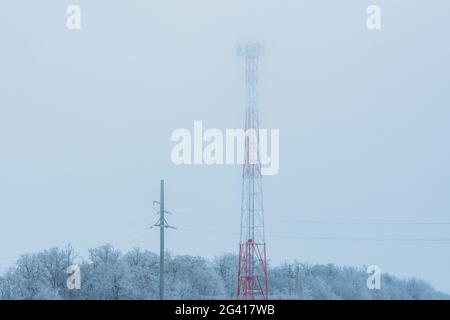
{"x": 86, "y": 118}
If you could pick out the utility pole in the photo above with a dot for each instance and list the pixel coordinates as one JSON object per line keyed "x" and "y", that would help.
{"x": 162, "y": 224}
{"x": 161, "y": 242}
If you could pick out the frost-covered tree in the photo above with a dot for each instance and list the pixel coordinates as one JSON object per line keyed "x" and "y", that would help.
{"x": 192, "y": 278}
{"x": 54, "y": 263}
{"x": 29, "y": 279}
{"x": 226, "y": 267}
{"x": 143, "y": 277}
{"x": 109, "y": 274}
{"x": 105, "y": 277}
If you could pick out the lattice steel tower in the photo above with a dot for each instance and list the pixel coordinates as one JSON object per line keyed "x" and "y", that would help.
{"x": 252, "y": 268}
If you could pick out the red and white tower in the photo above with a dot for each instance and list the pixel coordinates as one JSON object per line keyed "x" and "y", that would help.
{"x": 252, "y": 268}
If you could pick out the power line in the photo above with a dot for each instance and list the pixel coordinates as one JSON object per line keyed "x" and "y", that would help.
{"x": 131, "y": 226}
{"x": 87, "y": 242}
{"x": 368, "y": 239}
{"x": 330, "y": 222}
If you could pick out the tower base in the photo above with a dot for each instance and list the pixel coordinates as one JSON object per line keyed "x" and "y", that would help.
{"x": 252, "y": 271}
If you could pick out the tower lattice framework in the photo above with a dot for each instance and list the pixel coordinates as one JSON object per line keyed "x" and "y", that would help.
{"x": 252, "y": 267}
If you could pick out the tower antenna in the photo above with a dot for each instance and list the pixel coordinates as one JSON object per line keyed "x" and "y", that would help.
{"x": 252, "y": 265}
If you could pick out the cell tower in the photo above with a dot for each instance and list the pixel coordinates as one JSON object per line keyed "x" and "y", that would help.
{"x": 252, "y": 268}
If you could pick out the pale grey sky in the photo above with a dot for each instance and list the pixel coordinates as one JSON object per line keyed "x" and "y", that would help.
{"x": 86, "y": 118}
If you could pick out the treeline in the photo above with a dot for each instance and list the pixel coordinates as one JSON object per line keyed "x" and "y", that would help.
{"x": 110, "y": 274}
